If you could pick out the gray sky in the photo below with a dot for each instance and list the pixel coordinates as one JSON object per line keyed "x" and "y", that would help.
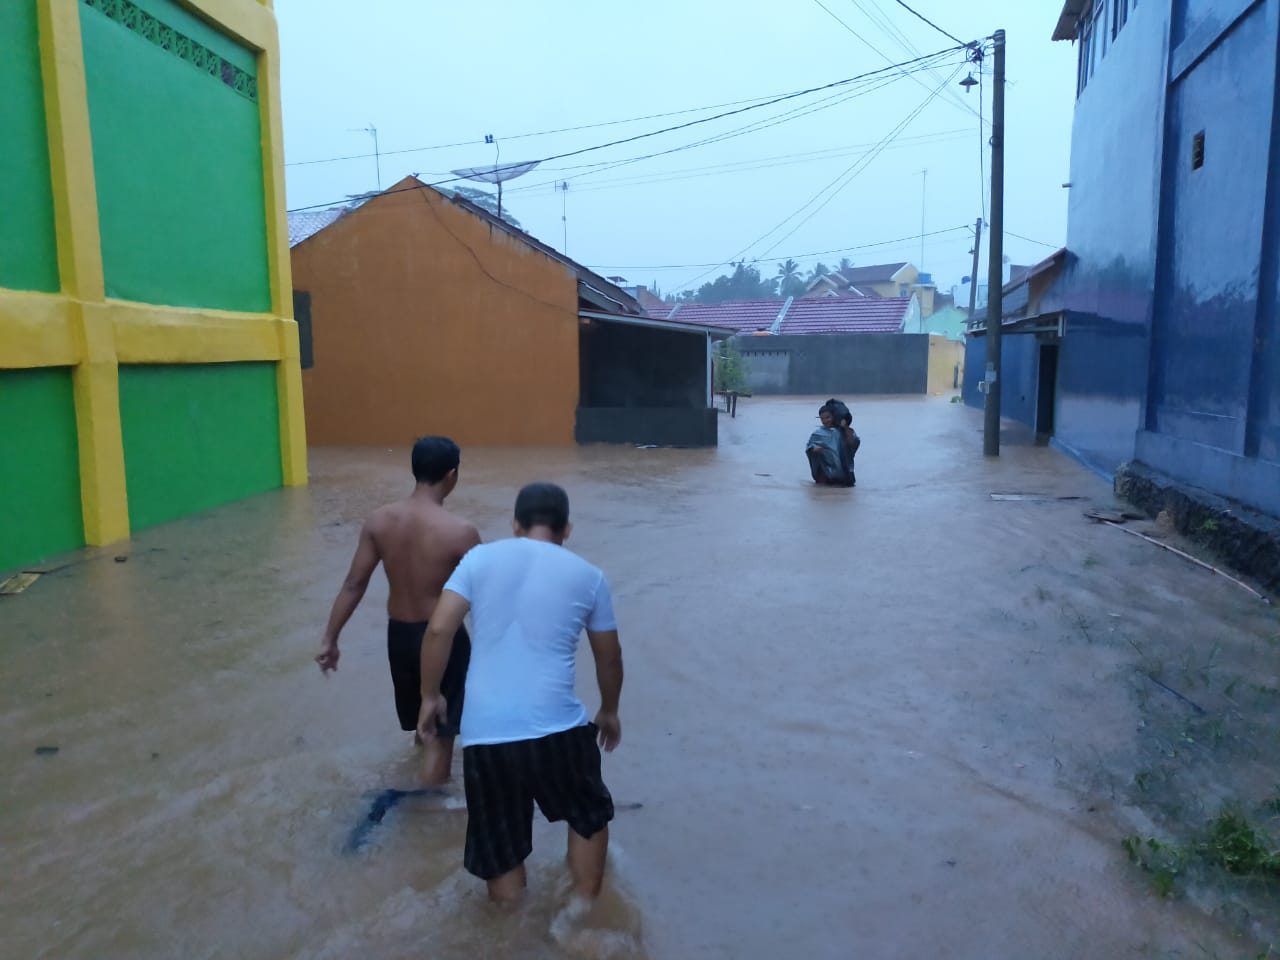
{"x": 425, "y": 74}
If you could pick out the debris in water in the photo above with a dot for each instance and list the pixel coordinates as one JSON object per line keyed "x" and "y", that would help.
{"x": 46, "y": 751}
{"x": 122, "y": 558}
{"x": 1164, "y": 686}
{"x": 1186, "y": 556}
{"x": 18, "y": 582}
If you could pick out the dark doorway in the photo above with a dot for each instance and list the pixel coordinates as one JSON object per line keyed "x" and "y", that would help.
{"x": 1046, "y": 391}
{"x": 302, "y": 314}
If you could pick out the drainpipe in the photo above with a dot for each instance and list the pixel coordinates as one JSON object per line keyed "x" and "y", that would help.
{"x": 776, "y": 327}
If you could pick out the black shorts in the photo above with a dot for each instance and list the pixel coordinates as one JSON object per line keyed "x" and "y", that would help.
{"x": 560, "y": 772}
{"x": 404, "y": 654}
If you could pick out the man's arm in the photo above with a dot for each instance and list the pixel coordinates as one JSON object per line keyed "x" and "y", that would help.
{"x": 436, "y": 645}
{"x": 351, "y": 592}
{"x": 607, "y": 651}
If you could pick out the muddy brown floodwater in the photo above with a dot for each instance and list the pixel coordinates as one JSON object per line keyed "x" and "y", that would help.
{"x": 851, "y": 729}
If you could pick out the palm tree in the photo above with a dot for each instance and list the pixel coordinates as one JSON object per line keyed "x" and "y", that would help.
{"x": 788, "y": 271}
{"x": 845, "y": 264}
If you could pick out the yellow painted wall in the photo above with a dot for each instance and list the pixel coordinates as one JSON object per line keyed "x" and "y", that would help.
{"x": 427, "y": 319}
{"x": 79, "y": 327}
{"x": 944, "y": 354}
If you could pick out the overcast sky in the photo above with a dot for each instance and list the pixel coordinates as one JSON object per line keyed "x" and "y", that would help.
{"x": 426, "y": 74}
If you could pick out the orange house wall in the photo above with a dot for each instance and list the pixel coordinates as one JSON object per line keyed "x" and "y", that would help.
{"x": 428, "y": 320}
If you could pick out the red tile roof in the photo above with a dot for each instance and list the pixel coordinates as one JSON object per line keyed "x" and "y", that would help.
{"x": 804, "y": 316}
{"x": 742, "y": 316}
{"x": 846, "y": 315}
{"x": 658, "y": 311}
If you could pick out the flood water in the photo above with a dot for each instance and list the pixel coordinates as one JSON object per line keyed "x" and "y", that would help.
{"x": 846, "y": 733}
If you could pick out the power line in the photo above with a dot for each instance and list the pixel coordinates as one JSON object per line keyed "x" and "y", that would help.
{"x": 523, "y": 136}
{"x": 871, "y": 46}
{"x": 982, "y": 146}
{"x": 929, "y": 22}
{"x": 792, "y": 256}
{"x": 747, "y": 166}
{"x": 867, "y": 160}
{"x": 683, "y": 126}
{"x": 851, "y": 169}
{"x": 1051, "y": 246}
{"x": 754, "y": 127}
{"x": 751, "y": 103}
{"x": 882, "y": 20}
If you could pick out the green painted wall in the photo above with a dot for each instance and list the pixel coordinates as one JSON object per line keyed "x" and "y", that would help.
{"x": 178, "y": 162}
{"x": 39, "y": 466}
{"x": 28, "y": 244}
{"x": 196, "y": 436}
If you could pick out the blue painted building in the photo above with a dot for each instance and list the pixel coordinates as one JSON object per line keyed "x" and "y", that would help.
{"x": 1166, "y": 349}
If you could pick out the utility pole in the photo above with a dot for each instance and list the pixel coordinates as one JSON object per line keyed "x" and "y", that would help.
{"x": 563, "y": 187}
{"x": 973, "y": 276}
{"x": 924, "y": 180}
{"x": 995, "y": 266}
{"x": 377, "y": 156}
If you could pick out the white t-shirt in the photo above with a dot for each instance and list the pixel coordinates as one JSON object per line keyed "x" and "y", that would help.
{"x": 530, "y": 601}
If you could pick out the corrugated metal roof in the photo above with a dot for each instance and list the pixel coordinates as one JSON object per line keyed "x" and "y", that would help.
{"x": 1067, "y": 20}
{"x": 307, "y": 223}
{"x": 846, "y": 315}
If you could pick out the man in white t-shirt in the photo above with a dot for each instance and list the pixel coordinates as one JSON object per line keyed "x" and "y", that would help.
{"x": 525, "y": 735}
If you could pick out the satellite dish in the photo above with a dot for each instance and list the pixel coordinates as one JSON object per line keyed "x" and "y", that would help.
{"x": 498, "y": 173}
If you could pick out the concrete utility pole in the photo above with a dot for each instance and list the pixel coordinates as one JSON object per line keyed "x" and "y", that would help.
{"x": 924, "y": 180}
{"x": 995, "y": 268}
{"x": 973, "y": 276}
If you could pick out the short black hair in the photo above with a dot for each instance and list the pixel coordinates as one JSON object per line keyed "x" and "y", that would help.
{"x": 543, "y": 505}
{"x": 839, "y": 412}
{"x": 433, "y": 458}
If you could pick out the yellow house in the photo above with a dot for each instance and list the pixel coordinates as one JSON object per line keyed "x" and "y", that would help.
{"x": 148, "y": 355}
{"x": 899, "y": 279}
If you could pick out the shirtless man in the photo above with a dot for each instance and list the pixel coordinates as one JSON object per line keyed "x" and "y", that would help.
{"x": 419, "y": 543}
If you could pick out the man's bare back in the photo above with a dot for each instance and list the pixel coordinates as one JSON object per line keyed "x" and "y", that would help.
{"x": 419, "y": 543}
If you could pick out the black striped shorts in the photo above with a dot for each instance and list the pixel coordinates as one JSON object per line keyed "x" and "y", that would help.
{"x": 560, "y": 772}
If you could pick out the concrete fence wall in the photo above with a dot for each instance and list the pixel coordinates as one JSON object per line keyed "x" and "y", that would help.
{"x": 837, "y": 364}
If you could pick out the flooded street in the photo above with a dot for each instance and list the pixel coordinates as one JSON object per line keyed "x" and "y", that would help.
{"x": 879, "y": 723}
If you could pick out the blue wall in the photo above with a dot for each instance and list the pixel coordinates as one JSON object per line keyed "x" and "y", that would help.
{"x": 1111, "y": 233}
{"x": 1170, "y": 352}
{"x": 1019, "y": 370}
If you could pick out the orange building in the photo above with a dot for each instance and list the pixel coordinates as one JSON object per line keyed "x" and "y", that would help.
{"x": 421, "y": 313}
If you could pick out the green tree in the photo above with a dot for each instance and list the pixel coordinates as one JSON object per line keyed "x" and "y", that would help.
{"x": 820, "y": 269}
{"x": 730, "y": 368}
{"x": 486, "y": 201}
{"x": 745, "y": 283}
{"x": 790, "y": 282}
{"x": 845, "y": 264}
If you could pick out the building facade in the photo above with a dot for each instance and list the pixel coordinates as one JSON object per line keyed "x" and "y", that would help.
{"x": 1171, "y": 354}
{"x": 148, "y": 359}
{"x": 1158, "y": 343}
{"x": 423, "y": 313}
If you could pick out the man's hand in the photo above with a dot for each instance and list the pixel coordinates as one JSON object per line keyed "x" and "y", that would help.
{"x": 435, "y": 709}
{"x": 328, "y": 656}
{"x": 610, "y": 730}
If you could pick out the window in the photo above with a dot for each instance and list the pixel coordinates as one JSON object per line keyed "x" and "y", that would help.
{"x": 1084, "y": 66}
{"x": 1119, "y": 16}
{"x": 1197, "y": 151}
